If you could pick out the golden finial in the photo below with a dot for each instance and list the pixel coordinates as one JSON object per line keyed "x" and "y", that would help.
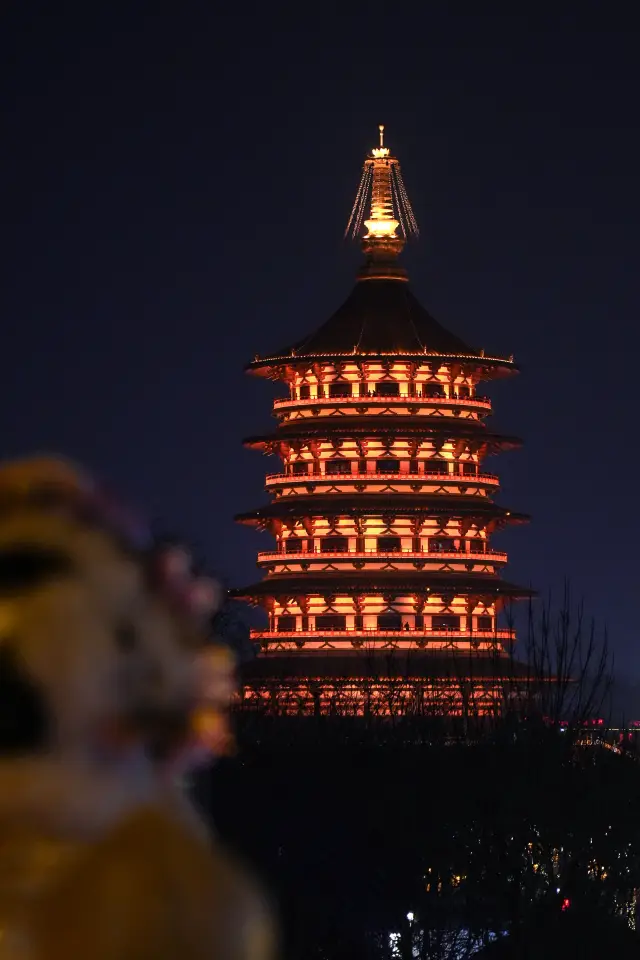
{"x": 382, "y": 188}
{"x": 381, "y": 151}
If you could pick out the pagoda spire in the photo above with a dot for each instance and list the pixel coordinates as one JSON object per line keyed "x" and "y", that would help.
{"x": 391, "y": 219}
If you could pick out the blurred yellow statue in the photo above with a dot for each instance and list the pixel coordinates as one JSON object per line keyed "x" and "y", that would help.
{"x": 108, "y": 693}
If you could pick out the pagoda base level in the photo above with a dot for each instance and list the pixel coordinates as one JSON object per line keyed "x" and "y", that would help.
{"x": 383, "y": 684}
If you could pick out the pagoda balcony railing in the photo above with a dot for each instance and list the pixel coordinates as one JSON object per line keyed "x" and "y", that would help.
{"x": 495, "y": 556}
{"x": 452, "y": 478}
{"x": 372, "y": 632}
{"x": 379, "y": 399}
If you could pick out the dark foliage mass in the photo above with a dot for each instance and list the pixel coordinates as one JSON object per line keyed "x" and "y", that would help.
{"x": 473, "y": 839}
{"x": 230, "y": 626}
{"x": 403, "y": 838}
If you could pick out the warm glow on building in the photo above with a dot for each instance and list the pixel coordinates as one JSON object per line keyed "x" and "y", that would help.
{"x": 383, "y": 584}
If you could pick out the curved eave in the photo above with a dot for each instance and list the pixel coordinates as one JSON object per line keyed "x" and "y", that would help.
{"x": 398, "y": 504}
{"x": 374, "y": 582}
{"x": 348, "y": 428}
{"x": 388, "y": 664}
{"x": 281, "y": 368}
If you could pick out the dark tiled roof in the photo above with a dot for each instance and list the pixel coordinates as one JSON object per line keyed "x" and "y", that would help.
{"x": 383, "y": 423}
{"x": 398, "y": 504}
{"x": 380, "y": 664}
{"x": 370, "y": 426}
{"x": 347, "y": 582}
{"x": 381, "y": 315}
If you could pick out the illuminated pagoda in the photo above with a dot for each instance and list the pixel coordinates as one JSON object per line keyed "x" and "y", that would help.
{"x": 382, "y": 589}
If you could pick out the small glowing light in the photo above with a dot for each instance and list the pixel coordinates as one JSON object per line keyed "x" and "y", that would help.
{"x": 379, "y": 227}
{"x": 410, "y": 917}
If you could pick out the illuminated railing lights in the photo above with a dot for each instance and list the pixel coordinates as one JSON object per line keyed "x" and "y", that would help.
{"x": 375, "y": 399}
{"x": 336, "y": 478}
{"x": 304, "y": 358}
{"x": 374, "y": 632}
{"x": 269, "y": 556}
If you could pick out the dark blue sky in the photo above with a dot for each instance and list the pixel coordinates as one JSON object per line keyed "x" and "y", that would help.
{"x": 174, "y": 188}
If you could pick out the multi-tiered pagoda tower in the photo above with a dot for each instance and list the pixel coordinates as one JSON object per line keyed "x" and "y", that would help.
{"x": 383, "y": 588}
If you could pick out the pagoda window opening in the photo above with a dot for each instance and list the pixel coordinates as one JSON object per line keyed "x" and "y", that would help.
{"x": 334, "y": 545}
{"x": 387, "y": 388}
{"x": 305, "y": 391}
{"x": 337, "y": 467}
{"x": 293, "y": 545}
{"x": 413, "y": 466}
{"x": 331, "y": 621}
{"x": 389, "y": 621}
{"x": 485, "y": 623}
{"x": 286, "y": 623}
{"x": 442, "y": 545}
{"x": 463, "y": 391}
{"x": 389, "y": 545}
{"x": 440, "y": 467}
{"x": 477, "y": 545}
{"x": 387, "y": 466}
{"x": 300, "y": 468}
{"x": 445, "y": 622}
{"x": 340, "y": 389}
{"x": 469, "y": 469}
{"x": 433, "y": 390}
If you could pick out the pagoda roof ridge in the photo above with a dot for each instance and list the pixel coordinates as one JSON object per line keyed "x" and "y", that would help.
{"x": 399, "y": 426}
{"x": 399, "y": 504}
{"x": 381, "y": 664}
{"x": 376, "y": 581}
{"x": 380, "y": 317}
{"x": 382, "y": 423}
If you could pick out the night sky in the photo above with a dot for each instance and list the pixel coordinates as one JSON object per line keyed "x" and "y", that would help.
{"x": 174, "y": 190}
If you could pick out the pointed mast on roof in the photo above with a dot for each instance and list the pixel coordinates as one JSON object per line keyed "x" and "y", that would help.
{"x": 382, "y": 189}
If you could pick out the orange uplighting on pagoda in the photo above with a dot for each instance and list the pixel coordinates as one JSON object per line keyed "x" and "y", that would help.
{"x": 382, "y": 583}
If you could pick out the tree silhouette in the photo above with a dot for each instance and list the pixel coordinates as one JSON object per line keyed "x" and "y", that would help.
{"x": 409, "y": 836}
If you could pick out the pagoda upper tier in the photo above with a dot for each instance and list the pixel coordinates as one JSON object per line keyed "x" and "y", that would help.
{"x": 382, "y": 509}
{"x": 381, "y": 318}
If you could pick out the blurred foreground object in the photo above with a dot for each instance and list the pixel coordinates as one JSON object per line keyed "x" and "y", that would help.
{"x": 108, "y": 688}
